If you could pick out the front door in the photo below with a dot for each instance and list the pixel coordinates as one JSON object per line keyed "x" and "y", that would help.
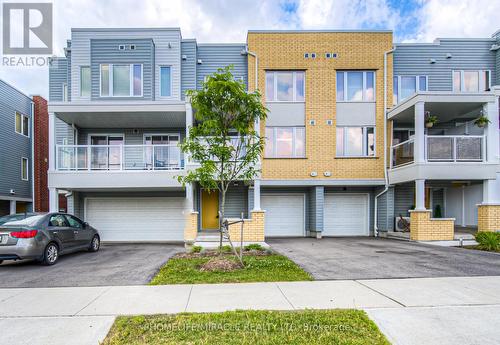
{"x": 209, "y": 210}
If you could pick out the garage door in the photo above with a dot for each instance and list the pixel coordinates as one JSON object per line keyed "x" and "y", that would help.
{"x": 284, "y": 214}
{"x": 137, "y": 219}
{"x": 346, "y": 215}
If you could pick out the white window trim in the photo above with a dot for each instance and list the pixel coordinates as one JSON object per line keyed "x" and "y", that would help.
{"x": 107, "y": 135}
{"x": 294, "y": 86}
{"x": 131, "y": 80}
{"x": 171, "y": 81}
{"x": 480, "y": 79}
{"x": 365, "y": 144}
{"x": 144, "y": 135}
{"x": 294, "y": 136}
{"x": 22, "y": 124}
{"x": 90, "y": 84}
{"x": 363, "y": 100}
{"x": 24, "y": 159}
{"x": 64, "y": 92}
{"x": 417, "y": 85}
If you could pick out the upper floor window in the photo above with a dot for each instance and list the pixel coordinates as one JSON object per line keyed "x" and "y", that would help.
{"x": 22, "y": 124}
{"x": 24, "y": 169}
{"x": 65, "y": 92}
{"x": 471, "y": 81}
{"x": 285, "y": 86}
{"x": 355, "y": 86}
{"x": 285, "y": 142}
{"x": 121, "y": 80}
{"x": 355, "y": 141}
{"x": 165, "y": 81}
{"x": 85, "y": 81}
{"x": 407, "y": 85}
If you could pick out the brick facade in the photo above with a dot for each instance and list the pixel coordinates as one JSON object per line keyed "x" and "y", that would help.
{"x": 425, "y": 228}
{"x": 41, "y": 154}
{"x": 253, "y": 229}
{"x": 488, "y": 218}
{"x": 191, "y": 227}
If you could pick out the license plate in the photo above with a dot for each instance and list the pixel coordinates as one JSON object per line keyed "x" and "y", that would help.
{"x": 4, "y": 239}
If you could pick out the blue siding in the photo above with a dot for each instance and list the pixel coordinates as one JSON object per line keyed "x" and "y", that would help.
{"x": 58, "y": 75}
{"x": 214, "y": 56}
{"x": 316, "y": 208}
{"x": 14, "y": 145}
{"x": 404, "y": 199}
{"x": 385, "y": 216}
{"x": 188, "y": 66}
{"x": 414, "y": 59}
{"x": 104, "y": 51}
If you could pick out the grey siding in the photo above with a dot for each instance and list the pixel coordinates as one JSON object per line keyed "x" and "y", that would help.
{"x": 404, "y": 199}
{"x": 316, "y": 208}
{"x": 237, "y": 201}
{"x": 13, "y": 145}
{"x": 497, "y": 62}
{"x": 414, "y": 59}
{"x": 385, "y": 216}
{"x": 68, "y": 72}
{"x": 215, "y": 56}
{"x": 188, "y": 66}
{"x": 105, "y": 51}
{"x": 58, "y": 75}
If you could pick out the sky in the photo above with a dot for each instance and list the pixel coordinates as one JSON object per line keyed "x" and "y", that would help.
{"x": 228, "y": 21}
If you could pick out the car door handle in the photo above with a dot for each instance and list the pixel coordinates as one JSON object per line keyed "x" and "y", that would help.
{"x": 75, "y": 232}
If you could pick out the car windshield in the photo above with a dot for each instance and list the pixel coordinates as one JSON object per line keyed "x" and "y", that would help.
{"x": 28, "y": 221}
{"x": 13, "y": 217}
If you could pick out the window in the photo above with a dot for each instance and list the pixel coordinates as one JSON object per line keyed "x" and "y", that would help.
{"x": 85, "y": 81}
{"x": 165, "y": 81}
{"x": 65, "y": 92}
{"x": 355, "y": 141}
{"x": 286, "y": 86}
{"x": 471, "y": 81}
{"x": 355, "y": 86}
{"x": 74, "y": 222}
{"x": 121, "y": 80}
{"x": 407, "y": 85}
{"x": 22, "y": 124}
{"x": 58, "y": 220}
{"x": 285, "y": 142}
{"x": 24, "y": 169}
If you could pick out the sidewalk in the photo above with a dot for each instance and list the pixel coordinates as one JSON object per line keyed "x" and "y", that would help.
{"x": 408, "y": 311}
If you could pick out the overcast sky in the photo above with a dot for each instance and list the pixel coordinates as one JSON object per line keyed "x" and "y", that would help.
{"x": 229, "y": 20}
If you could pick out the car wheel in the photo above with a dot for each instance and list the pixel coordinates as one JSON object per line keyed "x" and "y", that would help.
{"x": 51, "y": 254}
{"x": 95, "y": 244}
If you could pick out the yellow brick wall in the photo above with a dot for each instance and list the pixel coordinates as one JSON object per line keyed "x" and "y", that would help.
{"x": 278, "y": 51}
{"x": 191, "y": 227}
{"x": 488, "y": 218}
{"x": 425, "y": 228}
{"x": 253, "y": 229}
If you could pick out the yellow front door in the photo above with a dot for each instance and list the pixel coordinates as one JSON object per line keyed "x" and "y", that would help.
{"x": 209, "y": 210}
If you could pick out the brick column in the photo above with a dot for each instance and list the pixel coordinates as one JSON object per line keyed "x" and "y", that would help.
{"x": 41, "y": 154}
{"x": 191, "y": 227}
{"x": 488, "y": 217}
{"x": 425, "y": 228}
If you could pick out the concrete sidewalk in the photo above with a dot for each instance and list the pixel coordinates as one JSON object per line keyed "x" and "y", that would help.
{"x": 397, "y": 305}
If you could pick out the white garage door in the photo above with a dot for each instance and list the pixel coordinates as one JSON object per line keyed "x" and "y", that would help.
{"x": 346, "y": 215}
{"x": 137, "y": 219}
{"x": 284, "y": 214}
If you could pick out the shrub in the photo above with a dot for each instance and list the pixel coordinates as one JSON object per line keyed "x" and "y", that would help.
{"x": 254, "y": 246}
{"x": 226, "y": 249}
{"x": 196, "y": 249}
{"x": 488, "y": 240}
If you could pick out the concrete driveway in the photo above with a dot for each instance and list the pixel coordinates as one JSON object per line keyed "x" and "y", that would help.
{"x": 374, "y": 258}
{"x": 117, "y": 264}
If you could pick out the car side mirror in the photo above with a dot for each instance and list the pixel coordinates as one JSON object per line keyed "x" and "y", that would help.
{"x": 85, "y": 225}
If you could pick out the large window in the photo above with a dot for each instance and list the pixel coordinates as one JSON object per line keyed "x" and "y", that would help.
{"x": 121, "y": 80}
{"x": 355, "y": 141}
{"x": 24, "y": 169}
{"x": 407, "y": 85}
{"x": 471, "y": 81}
{"x": 285, "y": 86}
{"x": 22, "y": 124}
{"x": 285, "y": 142}
{"x": 355, "y": 86}
{"x": 165, "y": 81}
{"x": 85, "y": 81}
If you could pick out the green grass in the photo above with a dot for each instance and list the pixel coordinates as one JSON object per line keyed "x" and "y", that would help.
{"x": 258, "y": 268}
{"x": 476, "y": 247}
{"x": 249, "y": 327}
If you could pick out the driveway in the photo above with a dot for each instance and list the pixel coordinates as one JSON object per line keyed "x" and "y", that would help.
{"x": 113, "y": 264}
{"x": 374, "y": 258}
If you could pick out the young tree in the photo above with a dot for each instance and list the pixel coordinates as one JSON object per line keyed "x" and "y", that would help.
{"x": 223, "y": 140}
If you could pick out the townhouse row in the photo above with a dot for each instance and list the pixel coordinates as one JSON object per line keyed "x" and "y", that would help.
{"x": 349, "y": 148}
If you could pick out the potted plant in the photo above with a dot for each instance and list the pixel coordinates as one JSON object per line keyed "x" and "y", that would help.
{"x": 481, "y": 121}
{"x": 430, "y": 120}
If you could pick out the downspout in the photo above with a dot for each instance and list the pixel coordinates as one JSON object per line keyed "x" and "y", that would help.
{"x": 386, "y": 177}
{"x": 256, "y": 87}
{"x": 32, "y": 137}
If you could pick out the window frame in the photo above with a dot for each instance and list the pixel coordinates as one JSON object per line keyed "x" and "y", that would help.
{"x": 23, "y": 116}
{"x": 345, "y": 84}
{"x": 294, "y": 86}
{"x": 131, "y": 80}
{"x": 90, "y": 82}
{"x": 160, "y": 82}
{"x": 396, "y": 97}
{"x": 294, "y": 139}
{"x": 481, "y": 80}
{"x": 23, "y": 160}
{"x": 364, "y": 142}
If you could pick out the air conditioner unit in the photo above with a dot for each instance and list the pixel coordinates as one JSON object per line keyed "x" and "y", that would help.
{"x": 399, "y": 225}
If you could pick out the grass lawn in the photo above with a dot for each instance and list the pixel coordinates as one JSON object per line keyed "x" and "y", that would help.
{"x": 258, "y": 268}
{"x": 339, "y": 326}
{"x": 477, "y": 247}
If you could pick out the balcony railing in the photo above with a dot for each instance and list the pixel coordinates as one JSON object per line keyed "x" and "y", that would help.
{"x": 455, "y": 148}
{"x": 402, "y": 153}
{"x": 118, "y": 157}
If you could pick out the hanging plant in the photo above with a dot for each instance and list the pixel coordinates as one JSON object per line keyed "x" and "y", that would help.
{"x": 482, "y": 121}
{"x": 430, "y": 120}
